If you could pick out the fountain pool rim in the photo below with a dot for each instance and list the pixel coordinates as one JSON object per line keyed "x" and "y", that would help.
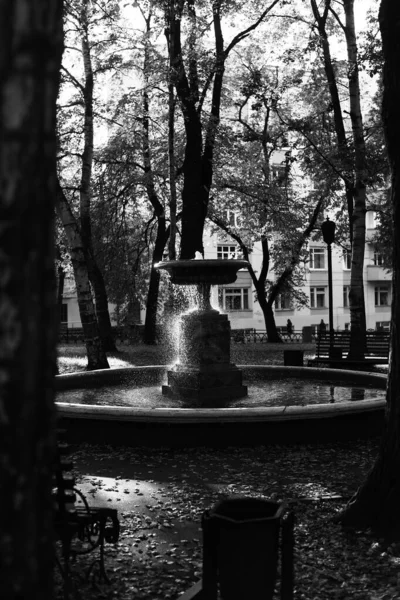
{"x": 241, "y": 415}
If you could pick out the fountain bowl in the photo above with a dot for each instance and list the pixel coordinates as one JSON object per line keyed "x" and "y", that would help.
{"x": 219, "y": 427}
{"x": 213, "y": 271}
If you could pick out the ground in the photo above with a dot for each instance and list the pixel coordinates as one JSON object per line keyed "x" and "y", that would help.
{"x": 162, "y": 493}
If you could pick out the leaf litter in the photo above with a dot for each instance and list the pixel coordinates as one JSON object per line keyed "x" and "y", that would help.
{"x": 159, "y": 553}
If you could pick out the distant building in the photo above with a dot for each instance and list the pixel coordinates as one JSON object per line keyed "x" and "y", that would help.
{"x": 237, "y": 299}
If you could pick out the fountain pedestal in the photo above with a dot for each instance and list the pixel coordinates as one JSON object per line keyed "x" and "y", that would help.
{"x": 204, "y": 370}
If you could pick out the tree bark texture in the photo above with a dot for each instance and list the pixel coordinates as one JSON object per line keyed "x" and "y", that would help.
{"x": 150, "y": 333}
{"x": 377, "y": 502}
{"x": 356, "y": 295}
{"x": 85, "y": 192}
{"x": 31, "y": 43}
{"x": 97, "y": 358}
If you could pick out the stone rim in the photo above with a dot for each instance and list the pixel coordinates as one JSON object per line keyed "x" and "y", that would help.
{"x": 212, "y": 271}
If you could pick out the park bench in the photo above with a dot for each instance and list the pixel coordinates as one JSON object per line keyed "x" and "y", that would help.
{"x": 80, "y": 528}
{"x": 333, "y": 353}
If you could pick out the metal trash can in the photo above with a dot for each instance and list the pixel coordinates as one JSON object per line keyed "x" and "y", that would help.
{"x": 293, "y": 358}
{"x": 241, "y": 547}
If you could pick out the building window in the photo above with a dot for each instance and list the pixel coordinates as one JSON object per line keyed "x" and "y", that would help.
{"x": 227, "y": 251}
{"x": 317, "y": 297}
{"x": 347, "y": 260}
{"x": 382, "y": 326}
{"x": 346, "y": 290}
{"x": 64, "y": 313}
{"x": 378, "y": 259}
{"x": 381, "y": 295}
{"x": 317, "y": 258}
{"x": 233, "y": 298}
{"x": 279, "y": 174}
{"x": 283, "y": 302}
{"x": 232, "y": 218}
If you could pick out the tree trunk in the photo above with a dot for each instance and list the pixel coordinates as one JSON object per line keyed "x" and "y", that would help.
{"x": 97, "y": 358}
{"x": 377, "y": 502}
{"x": 60, "y": 289}
{"x": 270, "y": 325}
{"x": 356, "y": 295}
{"x": 101, "y": 300}
{"x": 150, "y": 330}
{"x": 31, "y": 41}
{"x": 340, "y": 131}
{"x": 95, "y": 274}
{"x": 59, "y": 302}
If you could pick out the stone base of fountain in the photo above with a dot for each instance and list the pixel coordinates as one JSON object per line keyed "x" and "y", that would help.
{"x": 206, "y": 383}
{"x": 204, "y": 370}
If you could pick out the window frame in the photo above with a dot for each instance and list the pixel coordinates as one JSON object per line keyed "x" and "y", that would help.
{"x": 378, "y": 259}
{"x": 233, "y": 293}
{"x": 278, "y": 302}
{"x": 222, "y": 252}
{"x": 319, "y": 251}
{"x": 232, "y": 217}
{"x": 378, "y": 291}
{"x": 314, "y": 294}
{"x": 346, "y": 257}
{"x": 346, "y": 301}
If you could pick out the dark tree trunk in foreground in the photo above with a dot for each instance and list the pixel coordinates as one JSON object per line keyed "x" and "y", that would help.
{"x": 377, "y": 502}
{"x": 31, "y": 40}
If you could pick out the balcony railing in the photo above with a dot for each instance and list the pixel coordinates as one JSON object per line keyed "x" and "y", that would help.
{"x": 375, "y": 273}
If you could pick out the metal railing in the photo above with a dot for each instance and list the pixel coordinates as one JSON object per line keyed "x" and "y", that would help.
{"x": 259, "y": 336}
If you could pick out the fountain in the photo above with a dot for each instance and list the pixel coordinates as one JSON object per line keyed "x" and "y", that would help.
{"x": 204, "y": 370}
{"x": 200, "y": 401}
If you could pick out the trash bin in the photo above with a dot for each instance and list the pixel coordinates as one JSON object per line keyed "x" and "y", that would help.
{"x": 241, "y": 548}
{"x": 293, "y": 358}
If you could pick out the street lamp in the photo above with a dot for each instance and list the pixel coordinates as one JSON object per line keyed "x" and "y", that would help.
{"x": 328, "y": 233}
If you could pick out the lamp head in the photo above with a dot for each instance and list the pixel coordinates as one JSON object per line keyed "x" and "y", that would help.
{"x": 328, "y": 231}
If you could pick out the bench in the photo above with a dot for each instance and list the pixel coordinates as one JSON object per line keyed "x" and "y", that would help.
{"x": 81, "y": 529}
{"x": 334, "y": 352}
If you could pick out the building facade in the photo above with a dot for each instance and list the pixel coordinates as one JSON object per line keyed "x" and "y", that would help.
{"x": 237, "y": 299}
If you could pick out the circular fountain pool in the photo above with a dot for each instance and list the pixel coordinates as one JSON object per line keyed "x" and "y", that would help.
{"x": 295, "y": 403}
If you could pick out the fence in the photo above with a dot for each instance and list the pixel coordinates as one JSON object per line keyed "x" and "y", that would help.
{"x": 132, "y": 334}
{"x": 254, "y": 336}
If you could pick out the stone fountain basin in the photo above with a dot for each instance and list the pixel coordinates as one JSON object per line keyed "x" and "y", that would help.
{"x": 220, "y": 426}
{"x": 213, "y": 271}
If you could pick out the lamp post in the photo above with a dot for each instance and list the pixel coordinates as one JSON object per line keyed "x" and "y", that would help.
{"x": 328, "y": 233}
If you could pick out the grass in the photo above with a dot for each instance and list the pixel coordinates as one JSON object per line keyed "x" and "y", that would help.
{"x": 72, "y": 357}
